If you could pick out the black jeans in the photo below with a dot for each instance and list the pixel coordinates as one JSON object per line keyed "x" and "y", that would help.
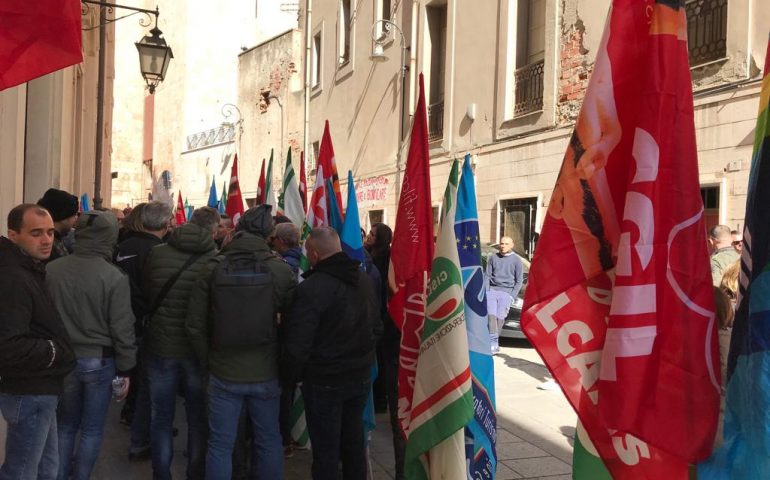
{"x": 335, "y": 420}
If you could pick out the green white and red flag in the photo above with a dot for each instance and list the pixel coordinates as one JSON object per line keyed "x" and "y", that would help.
{"x": 619, "y": 302}
{"x": 410, "y": 257}
{"x": 269, "y": 193}
{"x": 289, "y": 201}
{"x": 442, "y": 404}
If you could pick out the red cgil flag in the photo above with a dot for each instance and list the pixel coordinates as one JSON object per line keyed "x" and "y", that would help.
{"x": 181, "y": 216}
{"x": 619, "y": 302}
{"x": 261, "y": 185}
{"x": 328, "y": 162}
{"x": 234, "y": 207}
{"x": 37, "y": 38}
{"x": 302, "y": 181}
{"x": 410, "y": 257}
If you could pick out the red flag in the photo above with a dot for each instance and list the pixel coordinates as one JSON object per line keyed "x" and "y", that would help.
{"x": 327, "y": 160}
{"x": 37, "y": 38}
{"x": 410, "y": 257}
{"x": 302, "y": 180}
{"x": 261, "y": 185}
{"x": 234, "y": 207}
{"x": 619, "y": 302}
{"x": 181, "y": 216}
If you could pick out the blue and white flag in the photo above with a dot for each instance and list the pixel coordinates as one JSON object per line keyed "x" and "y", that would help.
{"x": 480, "y": 434}
{"x": 353, "y": 246}
{"x": 335, "y": 217}
{"x": 213, "y": 199}
{"x": 85, "y": 204}
{"x": 746, "y": 449}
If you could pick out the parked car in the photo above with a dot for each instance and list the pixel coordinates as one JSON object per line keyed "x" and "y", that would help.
{"x": 512, "y": 325}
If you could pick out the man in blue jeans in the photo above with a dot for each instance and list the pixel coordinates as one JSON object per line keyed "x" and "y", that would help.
{"x": 170, "y": 273}
{"x": 330, "y": 343}
{"x": 91, "y": 296}
{"x": 232, "y": 322}
{"x": 35, "y": 354}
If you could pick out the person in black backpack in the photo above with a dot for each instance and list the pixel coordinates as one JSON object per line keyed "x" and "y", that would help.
{"x": 330, "y": 343}
{"x": 232, "y": 322}
{"x": 170, "y": 274}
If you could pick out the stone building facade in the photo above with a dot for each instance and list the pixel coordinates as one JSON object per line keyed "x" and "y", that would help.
{"x": 186, "y": 134}
{"x": 505, "y": 81}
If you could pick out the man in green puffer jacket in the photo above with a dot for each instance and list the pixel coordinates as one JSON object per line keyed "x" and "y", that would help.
{"x": 246, "y": 375}
{"x": 174, "y": 267}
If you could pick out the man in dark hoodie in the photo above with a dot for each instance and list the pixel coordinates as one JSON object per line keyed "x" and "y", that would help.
{"x": 247, "y": 374}
{"x": 330, "y": 341}
{"x": 90, "y": 293}
{"x": 170, "y": 274}
{"x": 35, "y": 354}
{"x": 63, "y": 207}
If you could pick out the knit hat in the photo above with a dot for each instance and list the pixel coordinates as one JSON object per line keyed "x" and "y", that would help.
{"x": 60, "y": 204}
{"x": 257, "y": 220}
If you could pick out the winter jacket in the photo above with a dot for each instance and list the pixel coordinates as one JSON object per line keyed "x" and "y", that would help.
{"x": 331, "y": 333}
{"x": 292, "y": 257}
{"x": 391, "y": 333}
{"x": 93, "y": 295}
{"x": 251, "y": 365}
{"x": 28, "y": 321}
{"x": 131, "y": 255}
{"x": 166, "y": 328}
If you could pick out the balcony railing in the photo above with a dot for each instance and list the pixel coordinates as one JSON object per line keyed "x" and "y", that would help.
{"x": 436, "y": 121}
{"x": 529, "y": 89}
{"x": 706, "y": 30}
{"x": 215, "y": 136}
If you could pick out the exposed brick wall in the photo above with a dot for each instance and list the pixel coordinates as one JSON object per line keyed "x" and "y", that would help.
{"x": 574, "y": 71}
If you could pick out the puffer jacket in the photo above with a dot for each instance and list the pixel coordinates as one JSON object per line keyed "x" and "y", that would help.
{"x": 28, "y": 321}
{"x": 166, "y": 329}
{"x": 250, "y": 365}
{"x": 92, "y": 294}
{"x": 334, "y": 324}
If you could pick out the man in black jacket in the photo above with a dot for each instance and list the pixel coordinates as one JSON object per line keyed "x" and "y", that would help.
{"x": 330, "y": 340}
{"x": 131, "y": 255}
{"x": 35, "y": 354}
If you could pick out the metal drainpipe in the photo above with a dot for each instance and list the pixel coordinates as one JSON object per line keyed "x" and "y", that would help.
{"x": 308, "y": 67}
{"x": 100, "y": 110}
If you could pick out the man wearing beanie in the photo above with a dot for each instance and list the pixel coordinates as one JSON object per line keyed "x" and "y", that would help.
{"x": 232, "y": 322}
{"x": 92, "y": 297}
{"x": 63, "y": 207}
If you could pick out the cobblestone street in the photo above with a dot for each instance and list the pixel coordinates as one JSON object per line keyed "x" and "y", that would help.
{"x": 535, "y": 429}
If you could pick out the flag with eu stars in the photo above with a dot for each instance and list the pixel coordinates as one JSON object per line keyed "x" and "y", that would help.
{"x": 480, "y": 432}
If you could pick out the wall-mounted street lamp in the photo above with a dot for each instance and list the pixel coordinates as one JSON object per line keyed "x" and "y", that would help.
{"x": 154, "y": 57}
{"x": 154, "y": 53}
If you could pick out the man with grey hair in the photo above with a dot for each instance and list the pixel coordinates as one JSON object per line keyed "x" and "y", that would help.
{"x": 171, "y": 271}
{"x": 285, "y": 241}
{"x": 330, "y": 343}
{"x": 131, "y": 256}
{"x": 724, "y": 254}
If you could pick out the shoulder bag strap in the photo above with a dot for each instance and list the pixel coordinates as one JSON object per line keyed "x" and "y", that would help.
{"x": 170, "y": 283}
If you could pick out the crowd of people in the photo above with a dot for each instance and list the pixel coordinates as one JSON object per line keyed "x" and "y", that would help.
{"x": 125, "y": 305}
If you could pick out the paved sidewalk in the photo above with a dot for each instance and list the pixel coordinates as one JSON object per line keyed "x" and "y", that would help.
{"x": 535, "y": 430}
